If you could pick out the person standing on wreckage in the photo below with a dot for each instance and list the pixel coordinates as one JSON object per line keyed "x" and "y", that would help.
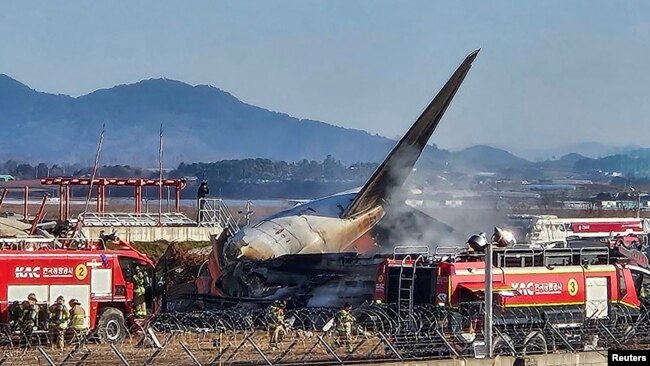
{"x": 202, "y": 193}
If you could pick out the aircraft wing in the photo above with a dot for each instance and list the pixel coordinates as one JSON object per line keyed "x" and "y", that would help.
{"x": 394, "y": 170}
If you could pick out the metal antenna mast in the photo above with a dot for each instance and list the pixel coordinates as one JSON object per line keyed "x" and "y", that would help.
{"x": 94, "y": 172}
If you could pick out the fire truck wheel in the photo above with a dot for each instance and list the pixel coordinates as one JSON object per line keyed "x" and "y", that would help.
{"x": 111, "y": 327}
{"x": 534, "y": 343}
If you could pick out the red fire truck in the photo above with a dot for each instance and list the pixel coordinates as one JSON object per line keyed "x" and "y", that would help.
{"x": 547, "y": 229}
{"x": 535, "y": 287}
{"x": 98, "y": 274}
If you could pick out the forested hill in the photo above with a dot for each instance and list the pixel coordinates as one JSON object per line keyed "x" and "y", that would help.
{"x": 202, "y": 123}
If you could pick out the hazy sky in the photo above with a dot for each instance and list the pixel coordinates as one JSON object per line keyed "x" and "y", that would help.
{"x": 550, "y": 73}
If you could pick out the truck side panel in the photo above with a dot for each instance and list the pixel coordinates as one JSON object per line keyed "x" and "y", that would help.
{"x": 90, "y": 278}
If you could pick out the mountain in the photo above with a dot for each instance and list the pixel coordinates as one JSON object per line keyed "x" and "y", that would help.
{"x": 201, "y": 123}
{"x": 634, "y": 163}
{"x": 586, "y": 149}
{"x": 566, "y": 162}
{"x": 487, "y": 157}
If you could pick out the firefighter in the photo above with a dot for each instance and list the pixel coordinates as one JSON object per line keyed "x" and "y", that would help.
{"x": 275, "y": 316}
{"x": 140, "y": 280}
{"x": 29, "y": 317}
{"x": 203, "y": 191}
{"x": 30, "y": 312}
{"x": 59, "y": 316}
{"x": 32, "y": 299}
{"x": 77, "y": 320}
{"x": 344, "y": 321}
{"x": 16, "y": 316}
{"x": 77, "y": 315}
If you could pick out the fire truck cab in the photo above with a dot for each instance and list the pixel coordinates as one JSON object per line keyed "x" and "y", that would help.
{"x": 99, "y": 274}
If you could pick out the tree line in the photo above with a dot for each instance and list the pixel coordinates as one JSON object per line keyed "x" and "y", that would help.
{"x": 227, "y": 171}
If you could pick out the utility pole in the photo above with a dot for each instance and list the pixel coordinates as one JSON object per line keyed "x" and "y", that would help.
{"x": 487, "y": 321}
{"x": 249, "y": 212}
{"x": 160, "y": 178}
{"x": 638, "y": 201}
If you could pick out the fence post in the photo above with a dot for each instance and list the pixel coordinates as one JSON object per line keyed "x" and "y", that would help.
{"x": 286, "y": 352}
{"x": 71, "y": 354}
{"x": 234, "y": 353}
{"x": 359, "y": 344}
{"x": 46, "y": 356}
{"x": 373, "y": 349}
{"x": 119, "y": 355}
{"x": 154, "y": 355}
{"x": 252, "y": 342}
{"x": 189, "y": 353}
{"x": 83, "y": 358}
{"x": 329, "y": 349}
{"x": 305, "y": 354}
{"x": 218, "y": 356}
{"x": 451, "y": 348}
{"x": 390, "y": 346}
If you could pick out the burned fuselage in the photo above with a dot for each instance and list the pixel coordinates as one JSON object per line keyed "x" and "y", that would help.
{"x": 324, "y": 230}
{"x": 309, "y": 228}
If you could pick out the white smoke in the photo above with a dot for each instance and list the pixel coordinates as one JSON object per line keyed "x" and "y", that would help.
{"x": 406, "y": 225}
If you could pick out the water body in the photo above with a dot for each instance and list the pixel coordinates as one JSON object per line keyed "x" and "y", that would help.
{"x": 192, "y": 203}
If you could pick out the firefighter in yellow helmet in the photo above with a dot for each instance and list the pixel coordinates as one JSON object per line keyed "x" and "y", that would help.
{"x": 77, "y": 316}
{"x": 141, "y": 282}
{"x": 29, "y": 315}
{"x": 344, "y": 321}
{"x": 58, "y": 322}
{"x": 275, "y": 317}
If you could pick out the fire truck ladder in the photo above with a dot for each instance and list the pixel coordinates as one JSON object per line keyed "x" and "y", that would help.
{"x": 406, "y": 282}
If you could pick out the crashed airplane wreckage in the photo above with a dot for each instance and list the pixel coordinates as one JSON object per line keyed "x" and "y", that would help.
{"x": 322, "y": 253}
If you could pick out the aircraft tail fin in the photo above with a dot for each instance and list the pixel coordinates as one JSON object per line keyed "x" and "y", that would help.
{"x": 398, "y": 164}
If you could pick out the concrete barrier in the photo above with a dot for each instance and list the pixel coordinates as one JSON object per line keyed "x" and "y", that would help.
{"x": 152, "y": 233}
{"x": 552, "y": 359}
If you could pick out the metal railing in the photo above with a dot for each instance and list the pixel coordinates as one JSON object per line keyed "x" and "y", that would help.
{"x": 108, "y": 219}
{"x": 214, "y": 212}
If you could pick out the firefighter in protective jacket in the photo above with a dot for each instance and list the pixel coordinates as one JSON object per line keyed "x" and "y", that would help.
{"x": 344, "y": 321}
{"x": 29, "y": 314}
{"x": 77, "y": 316}
{"x": 275, "y": 317}
{"x": 16, "y": 316}
{"x": 141, "y": 282}
{"x": 58, "y": 322}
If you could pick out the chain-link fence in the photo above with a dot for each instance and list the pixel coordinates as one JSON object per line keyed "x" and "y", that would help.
{"x": 242, "y": 336}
